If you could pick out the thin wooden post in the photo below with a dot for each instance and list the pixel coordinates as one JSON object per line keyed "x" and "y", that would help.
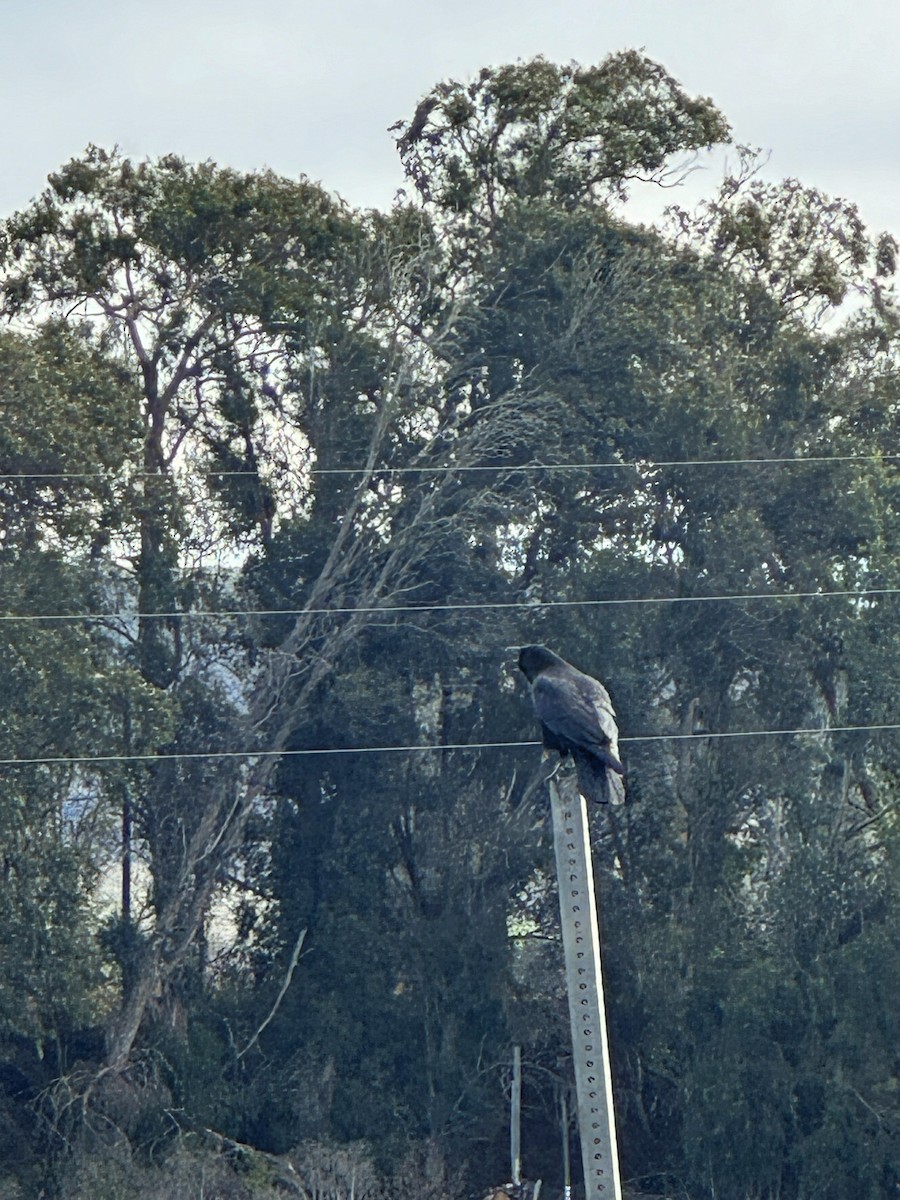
{"x": 584, "y": 983}
{"x": 567, "y": 1162}
{"x": 515, "y": 1118}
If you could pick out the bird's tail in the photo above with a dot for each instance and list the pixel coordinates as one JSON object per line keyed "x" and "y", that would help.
{"x": 597, "y": 781}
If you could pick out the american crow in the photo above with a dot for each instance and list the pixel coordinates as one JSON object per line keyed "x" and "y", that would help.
{"x": 576, "y": 718}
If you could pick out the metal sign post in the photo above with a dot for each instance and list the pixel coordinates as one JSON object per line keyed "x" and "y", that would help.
{"x": 584, "y": 981}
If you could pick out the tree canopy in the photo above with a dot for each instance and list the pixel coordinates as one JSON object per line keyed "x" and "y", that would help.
{"x": 282, "y": 481}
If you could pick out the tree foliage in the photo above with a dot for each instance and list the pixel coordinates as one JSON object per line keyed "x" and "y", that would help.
{"x": 294, "y": 477}
{"x": 539, "y": 131}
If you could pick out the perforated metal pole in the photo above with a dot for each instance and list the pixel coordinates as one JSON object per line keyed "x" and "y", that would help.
{"x": 584, "y": 982}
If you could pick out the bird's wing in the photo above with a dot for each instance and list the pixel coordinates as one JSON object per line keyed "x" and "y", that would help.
{"x": 606, "y": 714}
{"x": 575, "y": 707}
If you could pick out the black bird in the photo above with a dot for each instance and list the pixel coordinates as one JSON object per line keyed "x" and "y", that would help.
{"x": 577, "y": 718}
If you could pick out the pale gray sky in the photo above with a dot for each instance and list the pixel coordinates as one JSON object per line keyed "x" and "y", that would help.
{"x": 311, "y": 87}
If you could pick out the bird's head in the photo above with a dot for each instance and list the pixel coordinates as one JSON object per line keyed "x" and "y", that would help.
{"x": 534, "y": 659}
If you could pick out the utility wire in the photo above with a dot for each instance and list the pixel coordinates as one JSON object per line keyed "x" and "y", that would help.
{"x": 192, "y": 614}
{"x": 638, "y": 464}
{"x": 73, "y": 760}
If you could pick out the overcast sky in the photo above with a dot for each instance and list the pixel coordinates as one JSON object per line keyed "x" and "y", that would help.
{"x": 310, "y": 88}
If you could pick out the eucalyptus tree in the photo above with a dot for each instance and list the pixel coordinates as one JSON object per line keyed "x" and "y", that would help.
{"x": 718, "y": 338}
{"x": 435, "y": 850}
{"x": 567, "y": 135}
{"x": 70, "y": 424}
{"x": 268, "y": 334}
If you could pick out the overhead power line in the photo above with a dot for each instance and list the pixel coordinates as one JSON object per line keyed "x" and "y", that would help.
{"x": 385, "y": 610}
{"x": 168, "y": 756}
{"x": 452, "y": 468}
